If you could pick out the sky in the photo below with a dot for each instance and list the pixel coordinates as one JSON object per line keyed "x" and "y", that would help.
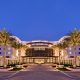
{"x": 39, "y": 19}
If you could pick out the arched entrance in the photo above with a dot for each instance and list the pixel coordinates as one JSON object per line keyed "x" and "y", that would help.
{"x": 40, "y": 52}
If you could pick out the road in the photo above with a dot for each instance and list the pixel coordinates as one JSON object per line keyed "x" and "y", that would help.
{"x": 40, "y": 72}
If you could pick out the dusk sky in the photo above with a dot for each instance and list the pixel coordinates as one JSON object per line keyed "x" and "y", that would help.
{"x": 39, "y": 19}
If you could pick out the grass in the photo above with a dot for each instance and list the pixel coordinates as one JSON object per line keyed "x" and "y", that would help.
{"x": 15, "y": 69}
{"x": 63, "y": 69}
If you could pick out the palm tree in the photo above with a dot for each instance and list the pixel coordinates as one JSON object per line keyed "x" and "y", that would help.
{"x": 73, "y": 40}
{"x": 61, "y": 46}
{"x": 4, "y": 41}
{"x": 18, "y": 46}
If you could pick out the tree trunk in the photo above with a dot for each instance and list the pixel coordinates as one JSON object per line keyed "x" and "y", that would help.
{"x": 19, "y": 56}
{"x": 59, "y": 56}
{"x": 4, "y": 57}
{"x": 74, "y": 65}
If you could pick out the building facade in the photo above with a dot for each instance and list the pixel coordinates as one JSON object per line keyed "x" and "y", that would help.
{"x": 39, "y": 52}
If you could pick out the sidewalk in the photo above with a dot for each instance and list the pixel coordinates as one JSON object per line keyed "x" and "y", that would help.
{"x": 73, "y": 69}
{"x": 5, "y": 69}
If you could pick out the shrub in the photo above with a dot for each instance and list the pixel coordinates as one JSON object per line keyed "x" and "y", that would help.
{"x": 66, "y": 65}
{"x": 63, "y": 69}
{"x": 15, "y": 69}
{"x": 12, "y": 65}
{"x": 25, "y": 66}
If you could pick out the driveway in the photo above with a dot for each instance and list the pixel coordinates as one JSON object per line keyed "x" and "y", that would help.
{"x": 39, "y": 72}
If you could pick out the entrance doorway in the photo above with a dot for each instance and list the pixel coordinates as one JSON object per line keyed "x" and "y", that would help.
{"x": 39, "y": 61}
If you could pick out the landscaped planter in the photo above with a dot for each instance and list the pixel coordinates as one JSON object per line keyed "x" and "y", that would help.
{"x": 59, "y": 66}
{"x": 63, "y": 69}
{"x": 19, "y": 66}
{"x": 16, "y": 69}
{"x": 68, "y": 68}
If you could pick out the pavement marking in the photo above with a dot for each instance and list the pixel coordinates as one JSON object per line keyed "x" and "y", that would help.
{"x": 67, "y": 75}
{"x": 12, "y": 75}
{"x": 30, "y": 69}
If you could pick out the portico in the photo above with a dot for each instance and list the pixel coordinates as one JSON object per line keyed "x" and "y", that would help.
{"x": 40, "y": 52}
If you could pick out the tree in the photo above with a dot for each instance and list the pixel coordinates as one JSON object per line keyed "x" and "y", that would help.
{"x": 73, "y": 40}
{"x": 17, "y": 45}
{"x": 60, "y": 47}
{"x": 5, "y": 41}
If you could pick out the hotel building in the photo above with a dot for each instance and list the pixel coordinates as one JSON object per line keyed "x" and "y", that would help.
{"x": 39, "y": 52}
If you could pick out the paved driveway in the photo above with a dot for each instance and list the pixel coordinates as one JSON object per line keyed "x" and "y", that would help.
{"x": 39, "y": 72}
